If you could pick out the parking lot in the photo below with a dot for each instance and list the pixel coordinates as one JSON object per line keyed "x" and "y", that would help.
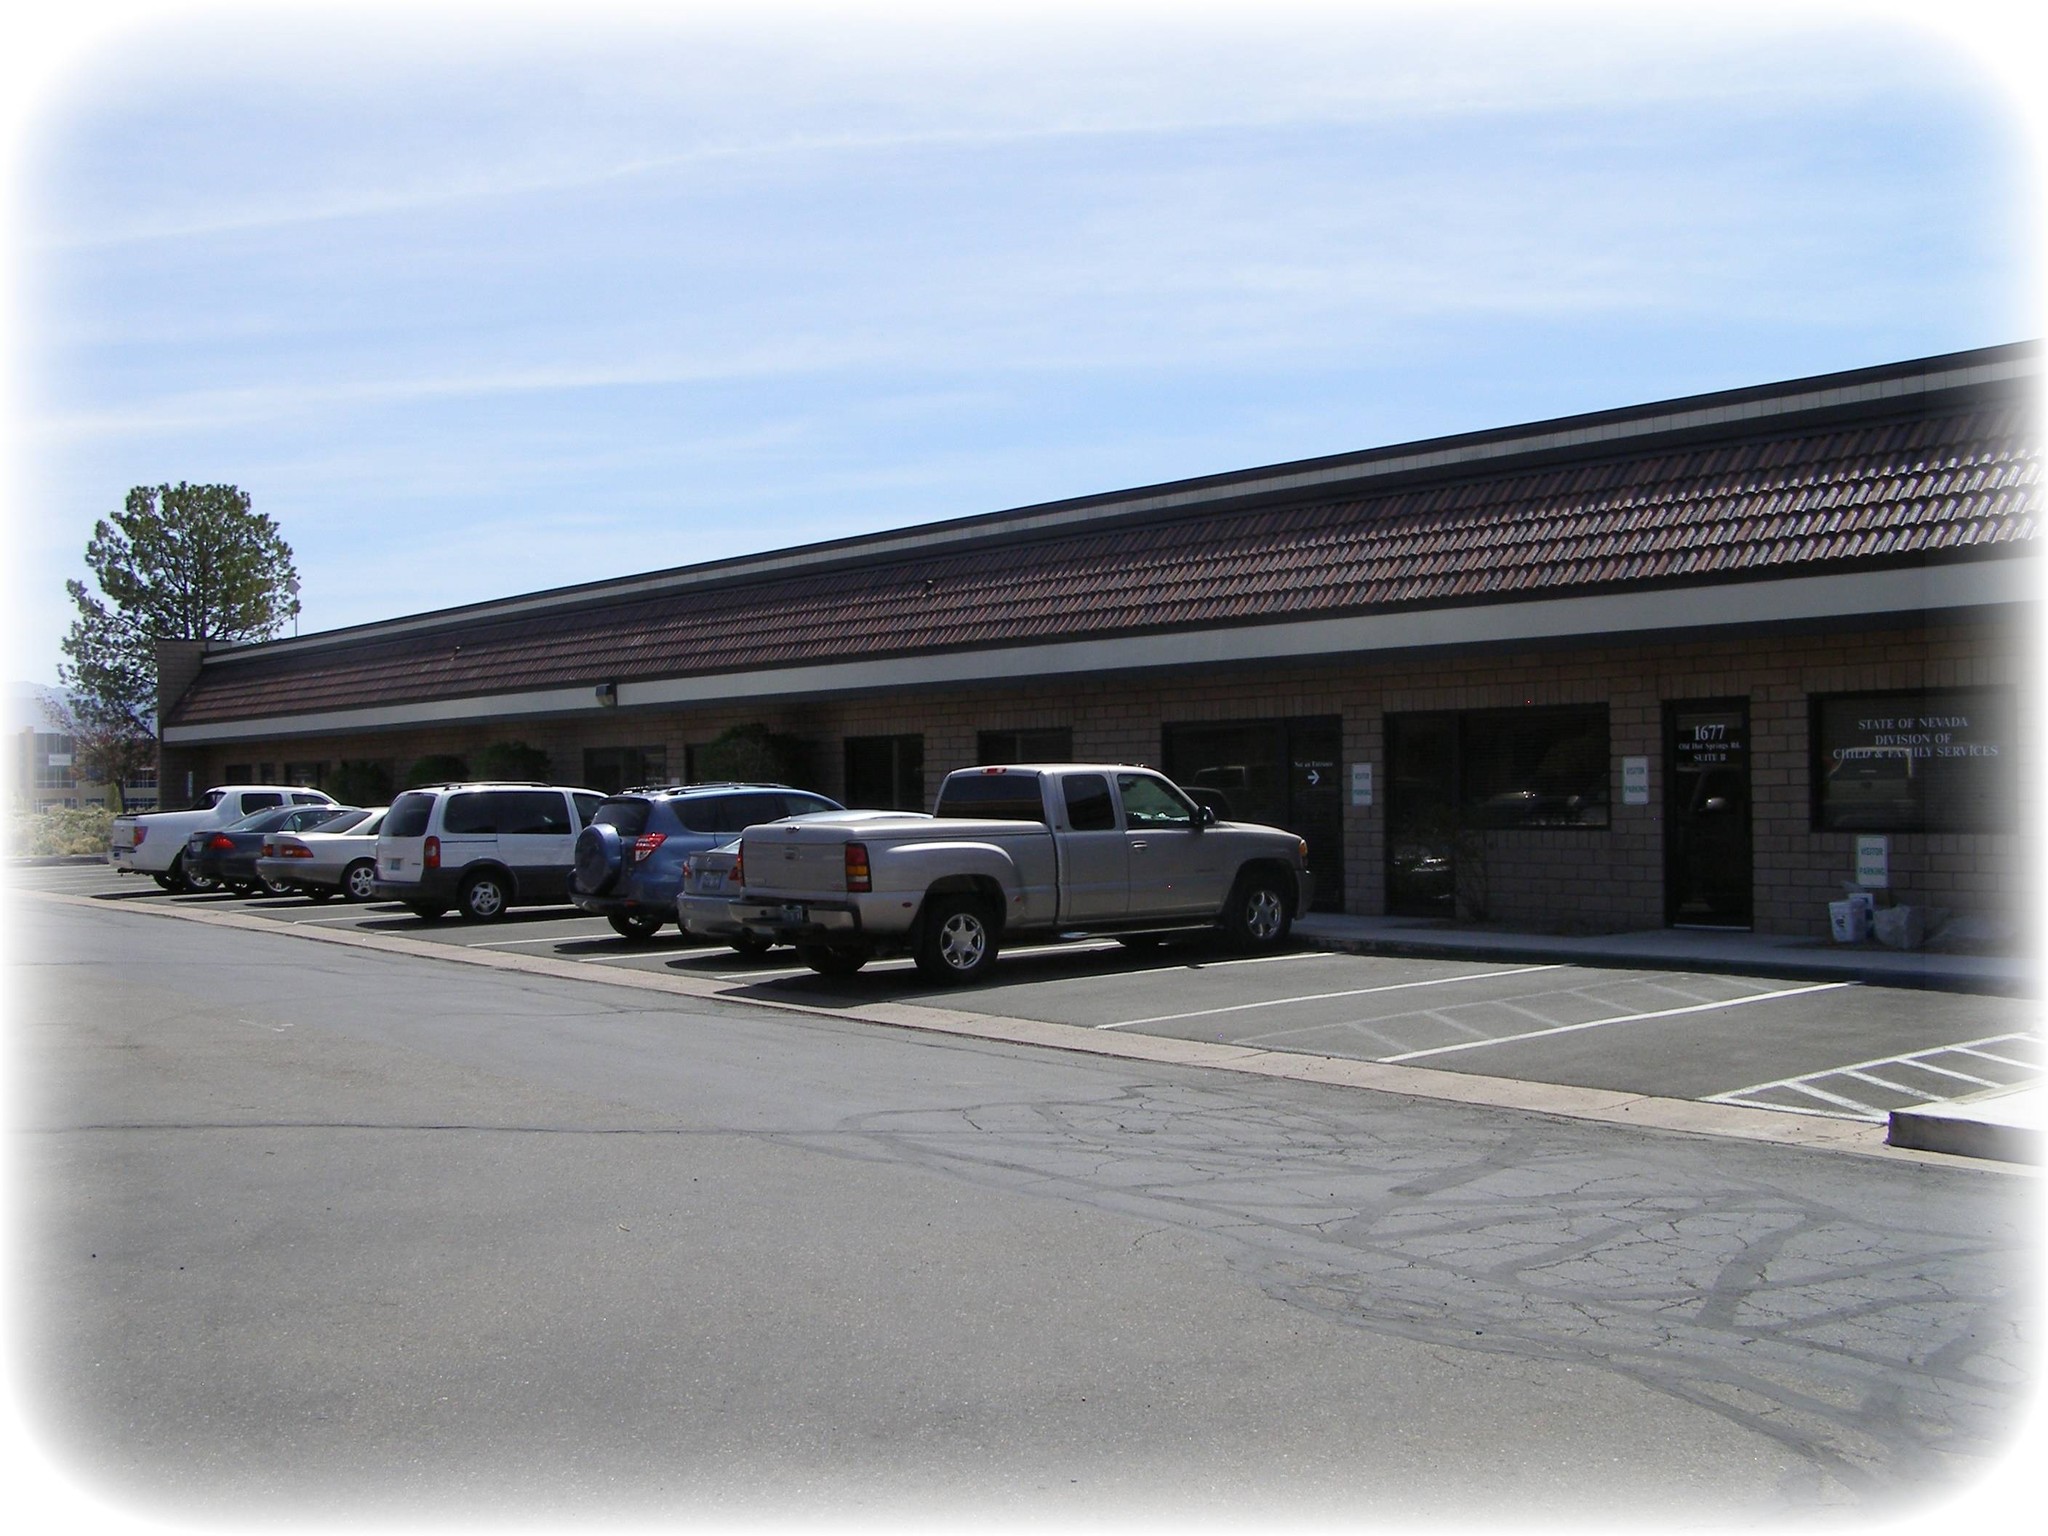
{"x": 1828, "y": 1048}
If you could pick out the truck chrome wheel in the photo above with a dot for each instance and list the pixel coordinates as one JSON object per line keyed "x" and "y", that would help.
{"x": 957, "y": 943}
{"x": 1257, "y": 917}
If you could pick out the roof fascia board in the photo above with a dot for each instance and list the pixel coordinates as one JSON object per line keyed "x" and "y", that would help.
{"x": 1324, "y": 478}
{"x": 1729, "y": 606}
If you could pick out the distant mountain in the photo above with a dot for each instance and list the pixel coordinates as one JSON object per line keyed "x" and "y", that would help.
{"x": 25, "y": 703}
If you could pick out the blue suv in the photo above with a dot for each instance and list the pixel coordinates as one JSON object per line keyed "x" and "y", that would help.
{"x": 628, "y": 864}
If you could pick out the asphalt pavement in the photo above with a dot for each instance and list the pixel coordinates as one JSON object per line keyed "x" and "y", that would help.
{"x": 356, "y": 1221}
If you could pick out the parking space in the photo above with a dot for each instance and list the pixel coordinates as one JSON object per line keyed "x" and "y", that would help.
{"x": 1834, "y": 1048}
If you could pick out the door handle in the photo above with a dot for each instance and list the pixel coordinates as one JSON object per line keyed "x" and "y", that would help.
{"x": 1139, "y": 845}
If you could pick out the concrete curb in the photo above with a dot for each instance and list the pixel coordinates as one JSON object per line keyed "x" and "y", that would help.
{"x": 1603, "y": 1106}
{"x": 2003, "y": 1125}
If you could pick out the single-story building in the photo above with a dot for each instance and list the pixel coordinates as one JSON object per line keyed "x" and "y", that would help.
{"x": 1697, "y": 662}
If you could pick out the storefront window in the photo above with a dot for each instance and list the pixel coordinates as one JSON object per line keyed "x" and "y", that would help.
{"x": 611, "y": 769}
{"x": 1039, "y": 744}
{"x": 885, "y": 773}
{"x": 1534, "y": 767}
{"x": 1925, "y": 761}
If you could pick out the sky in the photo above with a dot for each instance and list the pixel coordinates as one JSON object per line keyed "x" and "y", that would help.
{"x": 479, "y": 300}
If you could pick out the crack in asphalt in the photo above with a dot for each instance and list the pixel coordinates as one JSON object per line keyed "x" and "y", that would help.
{"x": 1884, "y": 1345}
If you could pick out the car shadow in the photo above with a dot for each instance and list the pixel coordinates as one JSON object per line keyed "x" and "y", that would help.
{"x": 902, "y": 983}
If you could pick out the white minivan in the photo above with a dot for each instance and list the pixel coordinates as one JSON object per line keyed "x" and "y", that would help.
{"x": 480, "y": 848}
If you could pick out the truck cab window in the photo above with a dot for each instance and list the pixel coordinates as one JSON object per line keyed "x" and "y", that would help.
{"x": 1089, "y": 808}
{"x": 1149, "y": 803}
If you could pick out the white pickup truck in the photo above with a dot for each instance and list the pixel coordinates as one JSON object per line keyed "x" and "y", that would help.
{"x": 154, "y": 843}
{"x": 1027, "y": 852}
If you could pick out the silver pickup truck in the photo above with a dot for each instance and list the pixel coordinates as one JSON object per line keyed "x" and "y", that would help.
{"x": 1032, "y": 852}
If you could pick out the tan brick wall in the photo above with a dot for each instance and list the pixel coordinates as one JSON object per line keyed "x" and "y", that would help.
{"x": 1597, "y": 878}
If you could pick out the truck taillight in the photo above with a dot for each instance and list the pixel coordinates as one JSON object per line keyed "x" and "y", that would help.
{"x": 140, "y": 833}
{"x": 857, "y": 874}
{"x": 646, "y": 843}
{"x": 430, "y": 856}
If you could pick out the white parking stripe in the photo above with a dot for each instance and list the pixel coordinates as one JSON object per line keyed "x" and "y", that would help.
{"x": 2008, "y": 1061}
{"x": 1620, "y": 1018}
{"x": 1324, "y": 997}
{"x": 1753, "y": 1096}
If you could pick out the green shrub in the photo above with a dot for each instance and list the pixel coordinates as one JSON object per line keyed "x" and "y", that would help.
{"x": 437, "y": 768}
{"x": 360, "y": 781}
{"x": 753, "y": 754}
{"x": 59, "y": 831}
{"x": 513, "y": 761}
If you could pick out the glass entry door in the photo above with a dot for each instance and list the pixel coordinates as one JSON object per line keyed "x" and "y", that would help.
{"x": 1280, "y": 772}
{"x": 1707, "y": 860}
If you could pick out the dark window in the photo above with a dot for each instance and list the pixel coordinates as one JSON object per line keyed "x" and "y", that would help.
{"x": 307, "y": 817}
{"x": 806, "y": 805}
{"x": 586, "y": 805}
{"x": 1037, "y": 744}
{"x": 264, "y": 821}
{"x": 885, "y": 773}
{"x": 532, "y": 812}
{"x": 307, "y": 774}
{"x": 1148, "y": 802}
{"x": 628, "y": 817}
{"x": 1089, "y": 807}
{"x": 1925, "y": 761}
{"x": 996, "y": 796}
{"x": 507, "y": 812}
{"x": 473, "y": 813}
{"x": 612, "y": 769}
{"x": 735, "y": 813}
{"x": 409, "y": 816}
{"x": 1533, "y": 767}
{"x": 237, "y": 773}
{"x": 260, "y": 802}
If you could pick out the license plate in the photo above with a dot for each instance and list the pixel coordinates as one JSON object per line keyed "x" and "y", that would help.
{"x": 795, "y": 912}
{"x": 711, "y": 880}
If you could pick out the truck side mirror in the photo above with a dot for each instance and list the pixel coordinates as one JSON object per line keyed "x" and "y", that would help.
{"x": 1205, "y": 816}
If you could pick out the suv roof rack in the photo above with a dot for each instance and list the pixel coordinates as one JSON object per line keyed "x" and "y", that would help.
{"x": 676, "y": 789}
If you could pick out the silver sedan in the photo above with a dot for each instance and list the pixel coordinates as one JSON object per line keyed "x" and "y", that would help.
{"x": 320, "y": 863}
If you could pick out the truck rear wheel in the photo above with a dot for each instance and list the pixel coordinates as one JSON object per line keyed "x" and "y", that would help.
{"x": 957, "y": 942}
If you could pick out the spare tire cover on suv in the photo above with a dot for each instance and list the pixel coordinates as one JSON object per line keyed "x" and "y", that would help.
{"x": 597, "y": 859}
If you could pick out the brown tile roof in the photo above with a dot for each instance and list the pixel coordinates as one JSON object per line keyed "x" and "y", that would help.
{"x": 1930, "y": 487}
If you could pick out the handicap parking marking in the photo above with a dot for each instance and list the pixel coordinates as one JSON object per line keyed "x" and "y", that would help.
{"x": 1553, "y": 1030}
{"x": 1948, "y": 1072}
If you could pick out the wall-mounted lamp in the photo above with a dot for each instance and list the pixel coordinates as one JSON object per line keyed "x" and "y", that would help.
{"x": 608, "y": 694}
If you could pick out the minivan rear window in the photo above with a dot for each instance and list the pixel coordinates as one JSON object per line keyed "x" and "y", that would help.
{"x": 409, "y": 816}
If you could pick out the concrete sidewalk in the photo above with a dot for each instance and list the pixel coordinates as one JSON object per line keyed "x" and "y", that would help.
{"x": 2005, "y": 1126}
{"x": 1692, "y": 949}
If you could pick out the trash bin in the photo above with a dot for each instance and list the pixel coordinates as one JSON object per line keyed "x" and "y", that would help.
{"x": 1901, "y": 928}
{"x": 1849, "y": 921}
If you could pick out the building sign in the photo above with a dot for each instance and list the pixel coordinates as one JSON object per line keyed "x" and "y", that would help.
{"x": 1914, "y": 762}
{"x": 1635, "y": 781}
{"x": 1361, "y": 783}
{"x": 1874, "y": 862}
